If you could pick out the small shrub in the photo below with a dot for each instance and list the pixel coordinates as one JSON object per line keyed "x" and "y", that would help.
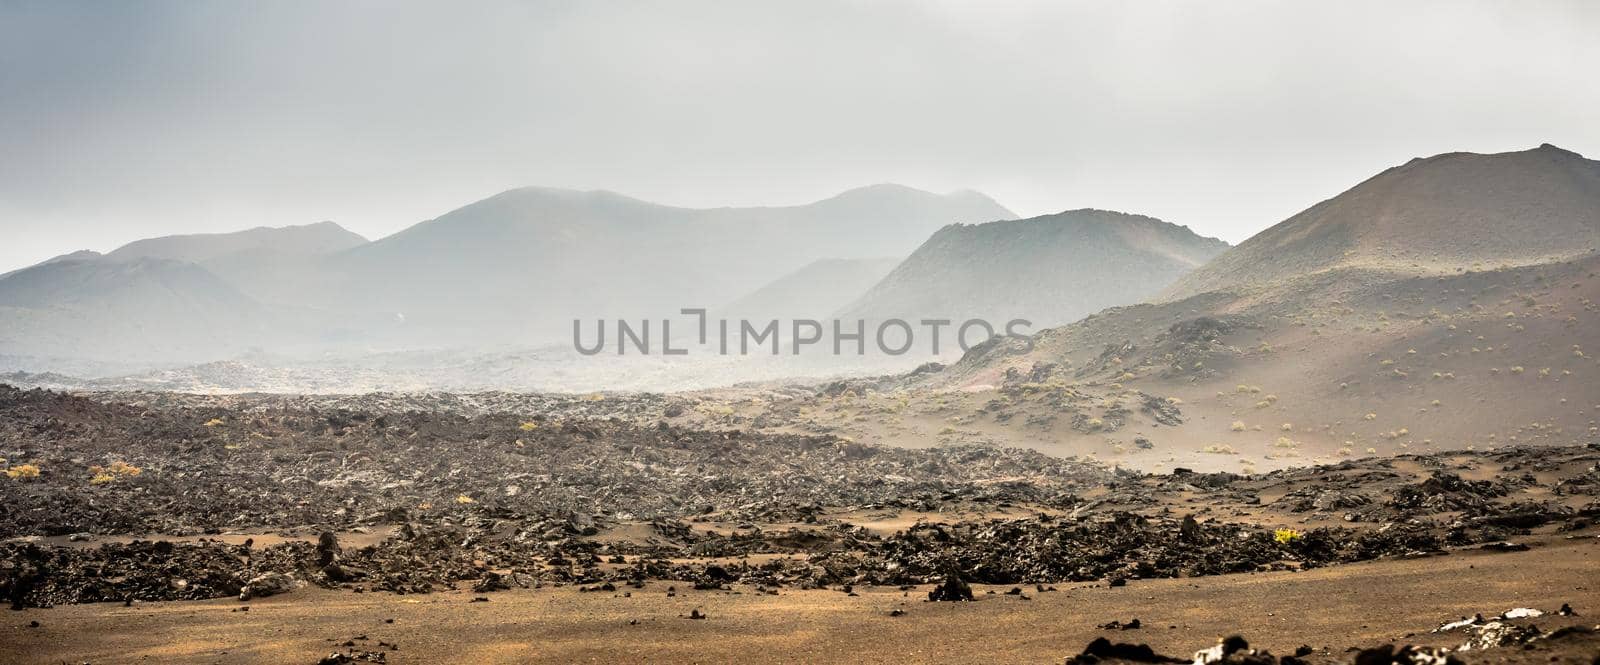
{"x": 23, "y": 472}
{"x": 118, "y": 469}
{"x": 1286, "y": 536}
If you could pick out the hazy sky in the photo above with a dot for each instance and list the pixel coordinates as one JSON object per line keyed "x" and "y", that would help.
{"x": 132, "y": 119}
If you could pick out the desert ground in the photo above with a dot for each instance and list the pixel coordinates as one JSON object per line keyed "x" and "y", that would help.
{"x": 1329, "y": 609}
{"x": 144, "y": 523}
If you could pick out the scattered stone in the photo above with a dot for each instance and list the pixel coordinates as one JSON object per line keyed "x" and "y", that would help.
{"x": 1132, "y": 624}
{"x": 953, "y": 589}
{"x": 1406, "y": 655}
{"x": 1103, "y": 649}
{"x": 269, "y": 584}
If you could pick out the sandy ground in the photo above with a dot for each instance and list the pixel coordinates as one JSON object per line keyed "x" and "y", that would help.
{"x": 1359, "y": 604}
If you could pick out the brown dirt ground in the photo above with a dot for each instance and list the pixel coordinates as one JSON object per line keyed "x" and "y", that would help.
{"x": 1359, "y": 604}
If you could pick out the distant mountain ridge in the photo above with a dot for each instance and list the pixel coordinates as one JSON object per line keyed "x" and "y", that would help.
{"x": 523, "y": 263}
{"x": 1049, "y": 270}
{"x": 515, "y": 268}
{"x": 306, "y": 239}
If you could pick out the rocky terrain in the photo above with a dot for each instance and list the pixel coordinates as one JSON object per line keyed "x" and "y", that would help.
{"x": 171, "y": 498}
{"x": 1339, "y": 453}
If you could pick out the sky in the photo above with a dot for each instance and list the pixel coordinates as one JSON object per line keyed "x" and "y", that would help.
{"x": 127, "y": 120}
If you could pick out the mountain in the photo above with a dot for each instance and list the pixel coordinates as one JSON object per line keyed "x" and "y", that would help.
{"x": 80, "y": 255}
{"x": 306, "y": 239}
{"x": 1440, "y": 215}
{"x": 1049, "y": 270}
{"x": 512, "y": 270}
{"x": 521, "y": 265}
{"x": 815, "y": 291}
{"x": 143, "y": 310}
{"x": 1409, "y": 314}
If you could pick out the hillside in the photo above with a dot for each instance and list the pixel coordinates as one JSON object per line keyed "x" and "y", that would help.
{"x": 1440, "y": 215}
{"x": 815, "y": 291}
{"x": 1411, "y": 313}
{"x": 1049, "y": 270}
{"x": 521, "y": 265}
{"x": 138, "y": 311}
{"x": 513, "y": 270}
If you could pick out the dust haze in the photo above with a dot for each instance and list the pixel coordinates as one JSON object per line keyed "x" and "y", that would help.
{"x": 799, "y": 332}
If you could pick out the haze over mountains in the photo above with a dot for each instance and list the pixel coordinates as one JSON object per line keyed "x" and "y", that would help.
{"x": 1050, "y": 270}
{"x": 513, "y": 269}
{"x": 507, "y": 266}
{"x": 816, "y": 291}
{"x": 483, "y": 286}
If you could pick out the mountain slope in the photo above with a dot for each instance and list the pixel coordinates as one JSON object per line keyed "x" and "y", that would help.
{"x": 1049, "y": 270}
{"x": 514, "y": 269}
{"x": 522, "y": 264}
{"x": 80, "y": 255}
{"x": 1411, "y": 313}
{"x": 815, "y": 291}
{"x": 138, "y": 311}
{"x": 1439, "y": 215}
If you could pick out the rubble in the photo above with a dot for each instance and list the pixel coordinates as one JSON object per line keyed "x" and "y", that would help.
{"x": 1103, "y": 650}
{"x": 952, "y": 589}
{"x": 268, "y": 584}
{"x": 478, "y": 499}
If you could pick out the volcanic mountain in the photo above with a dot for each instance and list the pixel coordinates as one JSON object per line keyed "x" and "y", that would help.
{"x": 1439, "y": 215}
{"x": 514, "y": 269}
{"x": 1411, "y": 313}
{"x": 1049, "y": 270}
{"x": 523, "y": 264}
{"x": 138, "y": 311}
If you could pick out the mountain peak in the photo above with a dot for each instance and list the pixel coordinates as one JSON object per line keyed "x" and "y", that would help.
{"x": 1547, "y": 147}
{"x": 1050, "y": 269}
{"x": 1437, "y": 215}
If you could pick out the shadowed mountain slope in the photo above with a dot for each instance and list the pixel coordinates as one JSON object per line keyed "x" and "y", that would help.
{"x": 1050, "y": 270}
